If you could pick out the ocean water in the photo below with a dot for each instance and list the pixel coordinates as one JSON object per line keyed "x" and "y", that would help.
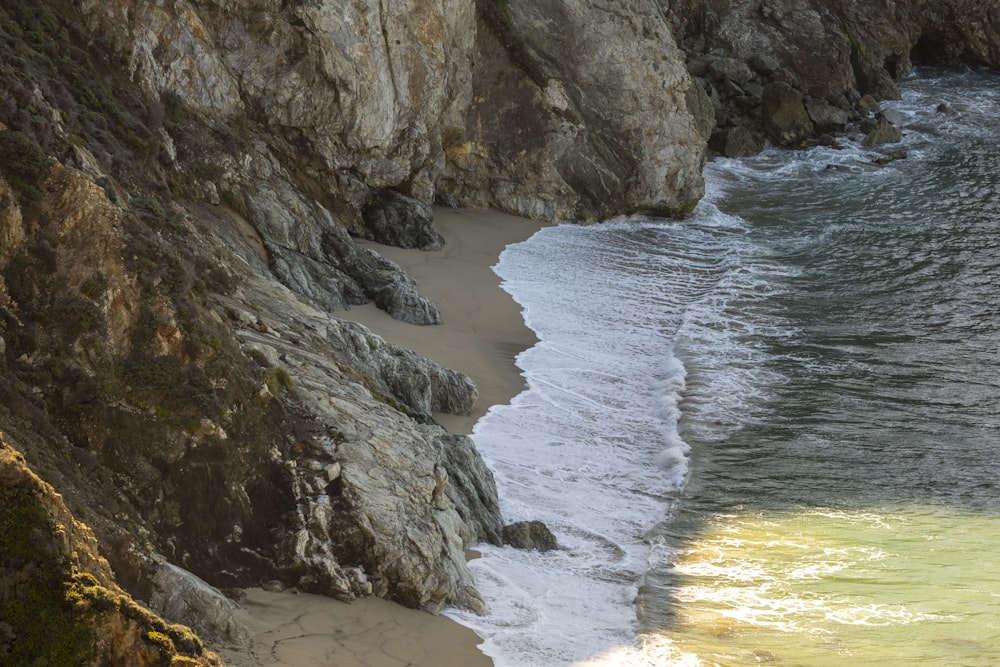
{"x": 768, "y": 433}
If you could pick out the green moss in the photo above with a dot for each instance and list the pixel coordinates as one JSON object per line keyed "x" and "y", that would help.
{"x": 161, "y": 641}
{"x": 93, "y": 287}
{"x": 149, "y": 205}
{"x": 181, "y": 386}
{"x": 42, "y": 608}
{"x": 173, "y": 105}
{"x": 74, "y": 316}
{"x": 277, "y": 379}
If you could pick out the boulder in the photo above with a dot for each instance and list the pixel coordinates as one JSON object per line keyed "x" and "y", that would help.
{"x": 887, "y": 155}
{"x": 786, "y": 120}
{"x": 529, "y": 535}
{"x": 881, "y": 131}
{"x": 181, "y": 597}
{"x": 825, "y": 116}
{"x": 737, "y": 142}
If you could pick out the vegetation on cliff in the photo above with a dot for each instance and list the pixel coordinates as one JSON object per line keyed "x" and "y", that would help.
{"x": 58, "y": 602}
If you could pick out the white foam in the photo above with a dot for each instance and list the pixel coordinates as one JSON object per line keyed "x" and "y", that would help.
{"x": 594, "y": 446}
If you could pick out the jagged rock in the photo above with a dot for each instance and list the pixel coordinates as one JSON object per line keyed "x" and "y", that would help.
{"x": 737, "y": 142}
{"x": 398, "y": 297}
{"x": 184, "y": 598}
{"x": 529, "y": 535}
{"x": 370, "y": 89}
{"x": 472, "y": 489}
{"x": 786, "y": 120}
{"x": 887, "y": 155}
{"x": 868, "y": 105}
{"x": 825, "y": 116}
{"x": 175, "y": 367}
{"x": 881, "y": 131}
{"x": 579, "y": 122}
{"x": 702, "y": 109}
{"x": 730, "y": 69}
{"x": 389, "y": 508}
{"x": 835, "y": 51}
{"x": 398, "y": 220}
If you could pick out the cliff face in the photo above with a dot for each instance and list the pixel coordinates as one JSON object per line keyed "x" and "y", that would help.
{"x": 580, "y": 111}
{"x": 181, "y": 185}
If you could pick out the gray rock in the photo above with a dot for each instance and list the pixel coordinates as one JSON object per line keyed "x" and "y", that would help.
{"x": 700, "y": 105}
{"x": 181, "y": 597}
{"x": 786, "y": 120}
{"x": 472, "y": 489}
{"x": 883, "y": 132}
{"x": 395, "y": 219}
{"x": 730, "y": 69}
{"x": 825, "y": 116}
{"x": 887, "y": 155}
{"x": 868, "y": 105}
{"x": 737, "y": 142}
{"x": 611, "y": 130}
{"x": 406, "y": 499}
{"x": 529, "y": 535}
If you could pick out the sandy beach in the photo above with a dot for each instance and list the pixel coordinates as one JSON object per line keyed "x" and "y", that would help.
{"x": 482, "y": 334}
{"x": 482, "y": 331}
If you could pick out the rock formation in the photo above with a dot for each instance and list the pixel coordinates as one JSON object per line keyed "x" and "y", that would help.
{"x": 181, "y": 187}
{"x": 795, "y": 69}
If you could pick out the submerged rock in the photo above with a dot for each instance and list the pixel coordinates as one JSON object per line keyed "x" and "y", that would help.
{"x": 887, "y": 155}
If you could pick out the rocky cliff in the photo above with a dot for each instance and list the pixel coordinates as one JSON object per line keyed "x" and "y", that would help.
{"x": 795, "y": 71}
{"x": 181, "y": 187}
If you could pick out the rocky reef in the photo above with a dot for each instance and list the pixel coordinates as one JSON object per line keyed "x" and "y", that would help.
{"x": 181, "y": 189}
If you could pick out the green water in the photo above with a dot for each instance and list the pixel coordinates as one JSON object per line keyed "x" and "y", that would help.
{"x": 847, "y": 511}
{"x": 907, "y": 586}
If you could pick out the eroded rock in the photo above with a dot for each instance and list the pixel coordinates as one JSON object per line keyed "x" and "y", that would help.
{"x": 529, "y": 535}
{"x": 397, "y": 220}
{"x": 881, "y": 131}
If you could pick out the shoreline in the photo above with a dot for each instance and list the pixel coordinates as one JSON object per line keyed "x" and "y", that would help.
{"x": 481, "y": 335}
{"x": 483, "y": 330}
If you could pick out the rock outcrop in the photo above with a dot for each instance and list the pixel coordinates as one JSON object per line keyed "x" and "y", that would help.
{"x": 800, "y": 68}
{"x": 577, "y": 117}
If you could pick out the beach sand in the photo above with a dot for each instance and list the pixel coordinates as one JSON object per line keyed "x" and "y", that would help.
{"x": 482, "y": 334}
{"x": 482, "y": 331}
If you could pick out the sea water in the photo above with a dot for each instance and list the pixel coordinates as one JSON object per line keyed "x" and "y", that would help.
{"x": 770, "y": 432}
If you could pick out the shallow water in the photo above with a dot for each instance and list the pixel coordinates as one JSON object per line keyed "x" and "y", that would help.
{"x": 767, "y": 433}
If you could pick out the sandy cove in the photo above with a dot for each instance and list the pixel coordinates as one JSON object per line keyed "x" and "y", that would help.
{"x": 481, "y": 335}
